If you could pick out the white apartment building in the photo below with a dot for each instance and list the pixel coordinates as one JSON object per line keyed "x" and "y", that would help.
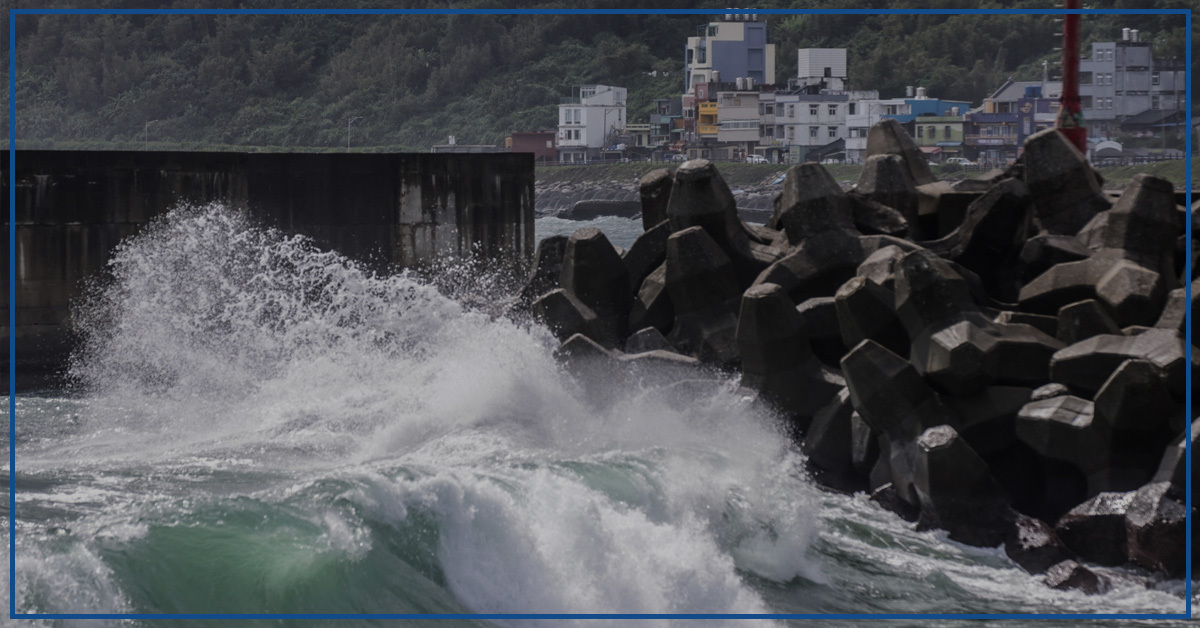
{"x": 587, "y": 121}
{"x": 864, "y": 112}
{"x": 807, "y": 121}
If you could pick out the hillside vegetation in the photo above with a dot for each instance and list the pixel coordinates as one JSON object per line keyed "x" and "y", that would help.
{"x": 296, "y": 81}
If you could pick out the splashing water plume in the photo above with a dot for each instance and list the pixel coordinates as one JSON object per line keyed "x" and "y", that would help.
{"x": 241, "y": 391}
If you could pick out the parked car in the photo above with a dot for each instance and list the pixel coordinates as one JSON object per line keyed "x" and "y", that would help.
{"x": 756, "y": 159}
{"x": 961, "y": 161}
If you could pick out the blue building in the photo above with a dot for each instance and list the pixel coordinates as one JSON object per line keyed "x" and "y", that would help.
{"x": 730, "y": 49}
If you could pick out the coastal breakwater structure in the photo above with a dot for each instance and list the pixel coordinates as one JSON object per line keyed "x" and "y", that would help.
{"x": 385, "y": 211}
{"x": 1011, "y": 370}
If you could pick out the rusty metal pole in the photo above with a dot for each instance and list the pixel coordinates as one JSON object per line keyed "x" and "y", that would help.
{"x": 1070, "y": 113}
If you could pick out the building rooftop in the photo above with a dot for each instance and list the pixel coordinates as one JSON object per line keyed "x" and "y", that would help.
{"x": 1012, "y": 90}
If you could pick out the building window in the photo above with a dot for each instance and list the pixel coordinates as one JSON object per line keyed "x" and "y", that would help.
{"x": 1085, "y": 102}
{"x": 833, "y": 131}
{"x": 946, "y": 132}
{"x": 931, "y": 133}
{"x": 850, "y": 108}
{"x": 791, "y": 132}
{"x": 769, "y": 131}
{"x": 812, "y": 131}
{"x": 770, "y": 110}
{"x": 1108, "y": 103}
{"x": 1154, "y": 79}
{"x": 712, "y": 31}
{"x": 1085, "y": 78}
{"x": 791, "y": 111}
{"x": 1154, "y": 102}
{"x": 832, "y": 110}
{"x": 920, "y": 130}
{"x": 812, "y": 110}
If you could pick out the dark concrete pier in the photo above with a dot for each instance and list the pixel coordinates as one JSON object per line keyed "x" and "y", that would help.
{"x": 384, "y": 210}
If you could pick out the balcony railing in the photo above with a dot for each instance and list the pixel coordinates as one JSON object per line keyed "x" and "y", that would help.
{"x": 707, "y": 129}
{"x": 990, "y": 140}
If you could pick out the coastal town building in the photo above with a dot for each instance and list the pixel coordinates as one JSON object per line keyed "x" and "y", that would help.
{"x": 1123, "y": 78}
{"x": 588, "y": 122}
{"x": 733, "y": 47}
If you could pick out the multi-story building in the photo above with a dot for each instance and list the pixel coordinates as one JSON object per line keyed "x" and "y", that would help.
{"x": 863, "y": 111}
{"x": 1122, "y": 79}
{"x": 995, "y": 133}
{"x": 769, "y": 146}
{"x": 663, "y": 129}
{"x": 589, "y": 121}
{"x": 733, "y": 47}
{"x": 812, "y": 126}
{"x": 939, "y": 137}
{"x": 935, "y": 124}
{"x": 737, "y": 124}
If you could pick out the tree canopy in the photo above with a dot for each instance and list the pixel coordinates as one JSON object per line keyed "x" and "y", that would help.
{"x": 296, "y": 80}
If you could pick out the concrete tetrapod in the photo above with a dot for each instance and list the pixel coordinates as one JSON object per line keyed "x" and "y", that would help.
{"x": 953, "y": 342}
{"x": 1063, "y": 185}
{"x": 654, "y": 189}
{"x": 594, "y": 274}
{"x": 990, "y": 239}
{"x": 1132, "y": 267}
{"x": 705, "y": 294}
{"x": 887, "y": 137}
{"x": 700, "y": 198}
{"x": 894, "y": 400}
{"x": 957, "y": 491}
{"x": 885, "y": 179}
{"x": 776, "y": 358}
{"x": 1095, "y": 529}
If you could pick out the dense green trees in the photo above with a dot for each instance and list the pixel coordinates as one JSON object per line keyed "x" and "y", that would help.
{"x": 275, "y": 80}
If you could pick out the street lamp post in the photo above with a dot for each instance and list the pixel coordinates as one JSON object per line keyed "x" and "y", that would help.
{"x": 146, "y": 132}
{"x": 348, "y": 123}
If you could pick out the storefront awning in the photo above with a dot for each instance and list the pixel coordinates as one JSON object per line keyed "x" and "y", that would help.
{"x": 931, "y": 150}
{"x": 949, "y": 144}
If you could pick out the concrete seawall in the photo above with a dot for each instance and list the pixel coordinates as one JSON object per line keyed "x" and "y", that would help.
{"x": 384, "y": 210}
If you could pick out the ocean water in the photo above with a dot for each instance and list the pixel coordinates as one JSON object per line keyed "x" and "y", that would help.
{"x": 620, "y": 231}
{"x": 259, "y": 426}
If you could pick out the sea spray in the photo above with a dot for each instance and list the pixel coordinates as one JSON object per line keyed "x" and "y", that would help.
{"x": 244, "y": 394}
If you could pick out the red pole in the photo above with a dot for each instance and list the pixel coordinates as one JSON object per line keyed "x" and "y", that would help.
{"x": 1070, "y": 113}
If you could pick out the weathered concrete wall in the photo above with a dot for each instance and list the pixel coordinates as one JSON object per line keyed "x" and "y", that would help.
{"x": 385, "y": 210}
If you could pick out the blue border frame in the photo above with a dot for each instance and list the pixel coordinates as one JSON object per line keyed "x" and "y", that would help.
{"x": 12, "y": 318}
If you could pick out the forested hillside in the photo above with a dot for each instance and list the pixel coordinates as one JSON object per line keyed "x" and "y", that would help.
{"x": 295, "y": 81}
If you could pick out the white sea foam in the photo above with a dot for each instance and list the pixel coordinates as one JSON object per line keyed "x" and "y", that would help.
{"x": 218, "y": 341}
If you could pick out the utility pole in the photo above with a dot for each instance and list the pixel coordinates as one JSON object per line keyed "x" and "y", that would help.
{"x": 348, "y": 123}
{"x": 1070, "y": 112}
